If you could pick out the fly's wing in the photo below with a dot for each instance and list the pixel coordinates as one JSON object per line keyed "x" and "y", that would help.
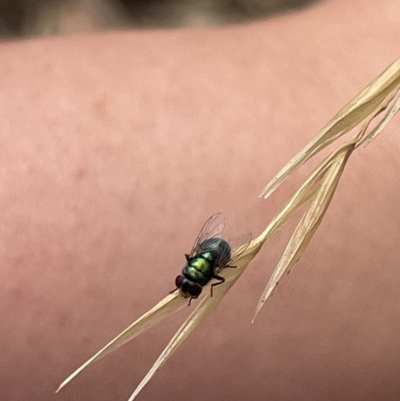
{"x": 238, "y": 245}
{"x": 212, "y": 228}
{"x": 228, "y": 255}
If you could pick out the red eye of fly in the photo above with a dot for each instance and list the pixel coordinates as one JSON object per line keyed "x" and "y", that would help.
{"x": 194, "y": 290}
{"x": 179, "y": 281}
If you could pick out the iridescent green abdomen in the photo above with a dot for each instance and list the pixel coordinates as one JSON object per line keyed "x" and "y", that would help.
{"x": 200, "y": 269}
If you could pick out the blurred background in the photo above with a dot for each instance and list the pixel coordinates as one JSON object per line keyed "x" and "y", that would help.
{"x": 21, "y": 18}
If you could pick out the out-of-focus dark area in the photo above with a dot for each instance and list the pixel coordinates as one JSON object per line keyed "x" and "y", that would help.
{"x": 21, "y": 18}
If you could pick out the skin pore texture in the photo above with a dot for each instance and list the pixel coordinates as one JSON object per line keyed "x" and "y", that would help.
{"x": 116, "y": 148}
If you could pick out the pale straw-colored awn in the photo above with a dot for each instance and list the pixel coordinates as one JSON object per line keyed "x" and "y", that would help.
{"x": 312, "y": 198}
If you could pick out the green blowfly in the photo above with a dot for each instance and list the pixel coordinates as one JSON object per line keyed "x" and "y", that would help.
{"x": 210, "y": 254}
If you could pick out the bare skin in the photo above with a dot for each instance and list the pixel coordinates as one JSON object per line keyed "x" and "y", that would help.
{"x": 116, "y": 148}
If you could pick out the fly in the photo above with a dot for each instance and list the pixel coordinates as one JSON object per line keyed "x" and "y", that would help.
{"x": 210, "y": 254}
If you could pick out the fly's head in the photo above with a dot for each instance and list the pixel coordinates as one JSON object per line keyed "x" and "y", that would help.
{"x": 188, "y": 288}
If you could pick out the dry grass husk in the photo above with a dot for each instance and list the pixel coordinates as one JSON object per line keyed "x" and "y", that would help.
{"x": 312, "y": 197}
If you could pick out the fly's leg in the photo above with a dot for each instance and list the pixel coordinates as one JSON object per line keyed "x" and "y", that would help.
{"x": 221, "y": 280}
{"x": 190, "y": 300}
{"x": 176, "y": 289}
{"x": 223, "y": 266}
